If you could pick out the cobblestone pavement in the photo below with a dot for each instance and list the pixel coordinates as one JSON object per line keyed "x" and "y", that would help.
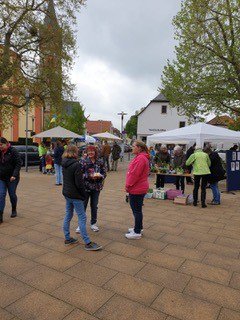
{"x": 186, "y": 266}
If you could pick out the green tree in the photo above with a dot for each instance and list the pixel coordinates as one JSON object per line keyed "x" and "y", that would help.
{"x": 205, "y": 76}
{"x": 72, "y": 119}
{"x": 131, "y": 126}
{"x": 31, "y": 51}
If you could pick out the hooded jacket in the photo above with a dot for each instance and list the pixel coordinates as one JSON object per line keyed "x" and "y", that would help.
{"x": 137, "y": 174}
{"x": 10, "y": 164}
{"x": 200, "y": 162}
{"x": 73, "y": 184}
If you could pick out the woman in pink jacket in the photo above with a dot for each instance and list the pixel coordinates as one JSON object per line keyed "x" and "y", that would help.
{"x": 137, "y": 186}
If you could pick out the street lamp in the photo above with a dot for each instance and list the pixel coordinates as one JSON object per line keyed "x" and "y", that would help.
{"x": 122, "y": 114}
{"x": 27, "y": 96}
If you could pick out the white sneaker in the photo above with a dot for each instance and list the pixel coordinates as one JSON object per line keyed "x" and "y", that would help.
{"x": 133, "y": 236}
{"x": 132, "y": 230}
{"x": 78, "y": 230}
{"x": 94, "y": 228}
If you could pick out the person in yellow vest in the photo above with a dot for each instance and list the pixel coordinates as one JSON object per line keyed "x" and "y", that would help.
{"x": 201, "y": 169}
{"x": 42, "y": 151}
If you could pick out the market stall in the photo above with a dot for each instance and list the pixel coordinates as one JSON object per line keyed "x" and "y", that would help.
{"x": 199, "y": 133}
{"x": 106, "y": 136}
{"x": 57, "y": 132}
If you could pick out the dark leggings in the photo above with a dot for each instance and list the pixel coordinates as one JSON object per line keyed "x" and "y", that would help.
{"x": 160, "y": 181}
{"x": 136, "y": 203}
{"x": 197, "y": 179}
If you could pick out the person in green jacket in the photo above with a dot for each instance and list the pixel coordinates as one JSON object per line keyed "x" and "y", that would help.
{"x": 201, "y": 164}
{"x": 42, "y": 151}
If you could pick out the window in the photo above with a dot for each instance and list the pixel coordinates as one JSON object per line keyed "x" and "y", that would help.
{"x": 182, "y": 124}
{"x": 164, "y": 109}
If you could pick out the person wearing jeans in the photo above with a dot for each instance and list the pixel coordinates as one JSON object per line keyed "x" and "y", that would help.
{"x": 94, "y": 173}
{"x": 57, "y": 155}
{"x": 137, "y": 186}
{"x": 201, "y": 170}
{"x": 10, "y": 166}
{"x": 78, "y": 205}
{"x": 217, "y": 174}
{"x": 216, "y": 194}
{"x": 74, "y": 193}
{"x": 136, "y": 204}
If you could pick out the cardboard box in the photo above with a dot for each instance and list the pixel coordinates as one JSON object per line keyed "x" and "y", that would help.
{"x": 181, "y": 200}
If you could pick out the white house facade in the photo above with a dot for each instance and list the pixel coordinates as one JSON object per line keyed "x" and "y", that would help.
{"x": 158, "y": 116}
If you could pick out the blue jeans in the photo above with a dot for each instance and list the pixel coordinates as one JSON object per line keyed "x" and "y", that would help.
{"x": 136, "y": 204}
{"x": 94, "y": 196}
{"x": 11, "y": 187}
{"x": 58, "y": 172}
{"x": 78, "y": 205}
{"x": 216, "y": 193}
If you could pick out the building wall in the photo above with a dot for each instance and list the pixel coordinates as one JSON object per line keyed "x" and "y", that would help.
{"x": 17, "y": 129}
{"x": 152, "y": 121}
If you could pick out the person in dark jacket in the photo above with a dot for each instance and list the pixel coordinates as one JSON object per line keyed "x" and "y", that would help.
{"x": 161, "y": 157}
{"x": 57, "y": 156}
{"x": 217, "y": 174}
{"x": 189, "y": 152}
{"x": 74, "y": 193}
{"x": 10, "y": 165}
{"x": 116, "y": 152}
{"x": 179, "y": 160}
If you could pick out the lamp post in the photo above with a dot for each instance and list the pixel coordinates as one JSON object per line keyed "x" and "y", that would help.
{"x": 122, "y": 114}
{"x": 27, "y": 96}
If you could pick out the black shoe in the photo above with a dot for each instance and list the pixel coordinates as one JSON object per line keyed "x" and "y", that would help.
{"x": 213, "y": 203}
{"x": 195, "y": 204}
{"x": 204, "y": 205}
{"x": 70, "y": 241}
{"x": 1, "y": 217}
{"x": 14, "y": 214}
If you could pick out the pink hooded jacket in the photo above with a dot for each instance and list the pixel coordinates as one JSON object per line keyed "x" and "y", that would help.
{"x": 137, "y": 174}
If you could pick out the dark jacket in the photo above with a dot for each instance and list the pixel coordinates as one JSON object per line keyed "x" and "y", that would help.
{"x": 57, "y": 155}
{"x": 216, "y": 168}
{"x": 116, "y": 151}
{"x": 189, "y": 152}
{"x": 10, "y": 164}
{"x": 161, "y": 158}
{"x": 179, "y": 161}
{"x": 73, "y": 185}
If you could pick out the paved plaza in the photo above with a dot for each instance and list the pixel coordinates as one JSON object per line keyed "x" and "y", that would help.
{"x": 186, "y": 266}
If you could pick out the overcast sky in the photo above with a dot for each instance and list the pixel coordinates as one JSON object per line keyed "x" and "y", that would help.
{"x": 122, "y": 49}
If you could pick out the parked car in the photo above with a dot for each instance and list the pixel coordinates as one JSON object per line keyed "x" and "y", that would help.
{"x": 32, "y": 154}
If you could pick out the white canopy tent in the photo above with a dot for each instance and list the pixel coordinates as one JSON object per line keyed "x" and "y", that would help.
{"x": 199, "y": 133}
{"x": 57, "y": 132}
{"x": 106, "y": 136}
{"x": 89, "y": 139}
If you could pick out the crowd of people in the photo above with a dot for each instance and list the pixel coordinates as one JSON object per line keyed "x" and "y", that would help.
{"x": 83, "y": 179}
{"x": 204, "y": 164}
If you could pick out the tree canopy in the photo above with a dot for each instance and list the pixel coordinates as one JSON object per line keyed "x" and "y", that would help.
{"x": 205, "y": 75}
{"x": 131, "y": 126}
{"x": 36, "y": 39}
{"x": 72, "y": 118}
